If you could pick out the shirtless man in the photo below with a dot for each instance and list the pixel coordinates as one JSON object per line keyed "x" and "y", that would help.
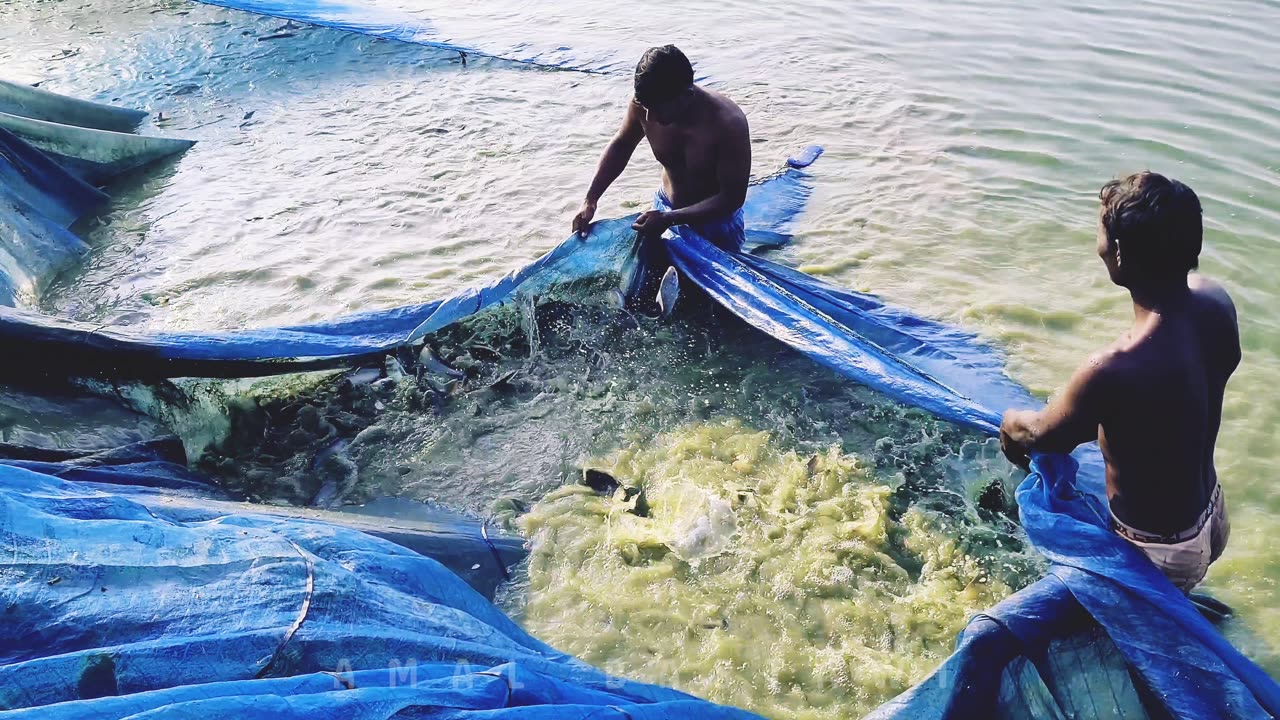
{"x": 702, "y": 141}
{"x": 1153, "y": 398}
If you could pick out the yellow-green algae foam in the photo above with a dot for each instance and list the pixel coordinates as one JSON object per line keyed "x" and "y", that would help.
{"x": 789, "y": 585}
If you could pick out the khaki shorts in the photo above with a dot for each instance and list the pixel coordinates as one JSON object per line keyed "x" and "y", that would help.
{"x": 1184, "y": 558}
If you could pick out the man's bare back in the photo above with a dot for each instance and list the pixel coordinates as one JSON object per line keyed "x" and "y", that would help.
{"x": 1153, "y": 398}
{"x": 700, "y": 137}
{"x": 1161, "y": 416}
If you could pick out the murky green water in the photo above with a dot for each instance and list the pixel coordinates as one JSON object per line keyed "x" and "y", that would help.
{"x": 965, "y": 145}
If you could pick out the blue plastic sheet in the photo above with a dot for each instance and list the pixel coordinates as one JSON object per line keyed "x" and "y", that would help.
{"x": 156, "y": 464}
{"x": 45, "y": 186}
{"x": 37, "y": 104}
{"x": 44, "y": 191}
{"x": 1189, "y": 666}
{"x": 753, "y": 296}
{"x": 96, "y": 156}
{"x": 118, "y": 609}
{"x": 968, "y": 684}
{"x": 38, "y": 202}
{"x": 154, "y": 474}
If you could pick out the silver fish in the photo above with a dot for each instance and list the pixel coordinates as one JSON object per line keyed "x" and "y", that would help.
{"x": 668, "y": 291}
{"x": 434, "y": 365}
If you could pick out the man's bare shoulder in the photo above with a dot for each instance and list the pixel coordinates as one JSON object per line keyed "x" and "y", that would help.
{"x": 634, "y": 116}
{"x": 1217, "y": 321}
{"x": 1107, "y": 361}
{"x": 727, "y": 111}
{"x": 1112, "y": 366}
{"x": 1211, "y": 292}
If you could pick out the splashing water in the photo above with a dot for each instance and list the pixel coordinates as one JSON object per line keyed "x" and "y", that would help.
{"x": 796, "y": 578}
{"x": 796, "y": 586}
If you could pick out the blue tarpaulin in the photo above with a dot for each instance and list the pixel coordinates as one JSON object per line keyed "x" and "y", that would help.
{"x": 48, "y": 177}
{"x": 39, "y": 200}
{"x": 42, "y": 184}
{"x": 114, "y": 608}
{"x": 32, "y": 102}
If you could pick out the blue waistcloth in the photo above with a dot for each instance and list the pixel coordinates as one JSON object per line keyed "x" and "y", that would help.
{"x": 727, "y": 233}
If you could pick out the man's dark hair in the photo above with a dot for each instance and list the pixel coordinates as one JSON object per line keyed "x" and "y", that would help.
{"x": 661, "y": 75}
{"x": 1157, "y": 222}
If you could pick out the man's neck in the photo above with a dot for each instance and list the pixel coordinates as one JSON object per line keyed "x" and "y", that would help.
{"x": 696, "y": 106}
{"x": 1159, "y": 297}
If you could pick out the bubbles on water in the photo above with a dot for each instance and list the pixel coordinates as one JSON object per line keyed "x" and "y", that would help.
{"x": 706, "y": 532}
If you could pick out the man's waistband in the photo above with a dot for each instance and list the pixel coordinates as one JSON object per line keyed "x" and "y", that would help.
{"x": 662, "y": 202}
{"x": 1132, "y": 533}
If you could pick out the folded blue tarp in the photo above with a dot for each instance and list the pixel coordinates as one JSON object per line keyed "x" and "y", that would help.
{"x": 94, "y": 155}
{"x": 48, "y": 173}
{"x": 44, "y": 185}
{"x": 154, "y": 464}
{"x": 32, "y": 102}
{"x": 39, "y": 200}
{"x": 154, "y": 474}
{"x": 119, "y": 608}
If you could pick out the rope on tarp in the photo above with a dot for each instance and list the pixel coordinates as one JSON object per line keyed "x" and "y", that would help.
{"x": 302, "y": 612}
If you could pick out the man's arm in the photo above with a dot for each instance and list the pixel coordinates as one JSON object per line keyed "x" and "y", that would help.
{"x": 612, "y": 162}
{"x": 733, "y": 171}
{"x": 1070, "y": 419}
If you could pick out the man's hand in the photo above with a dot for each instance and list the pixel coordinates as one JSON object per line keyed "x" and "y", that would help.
{"x": 651, "y": 223}
{"x": 1014, "y": 450}
{"x": 582, "y": 221}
